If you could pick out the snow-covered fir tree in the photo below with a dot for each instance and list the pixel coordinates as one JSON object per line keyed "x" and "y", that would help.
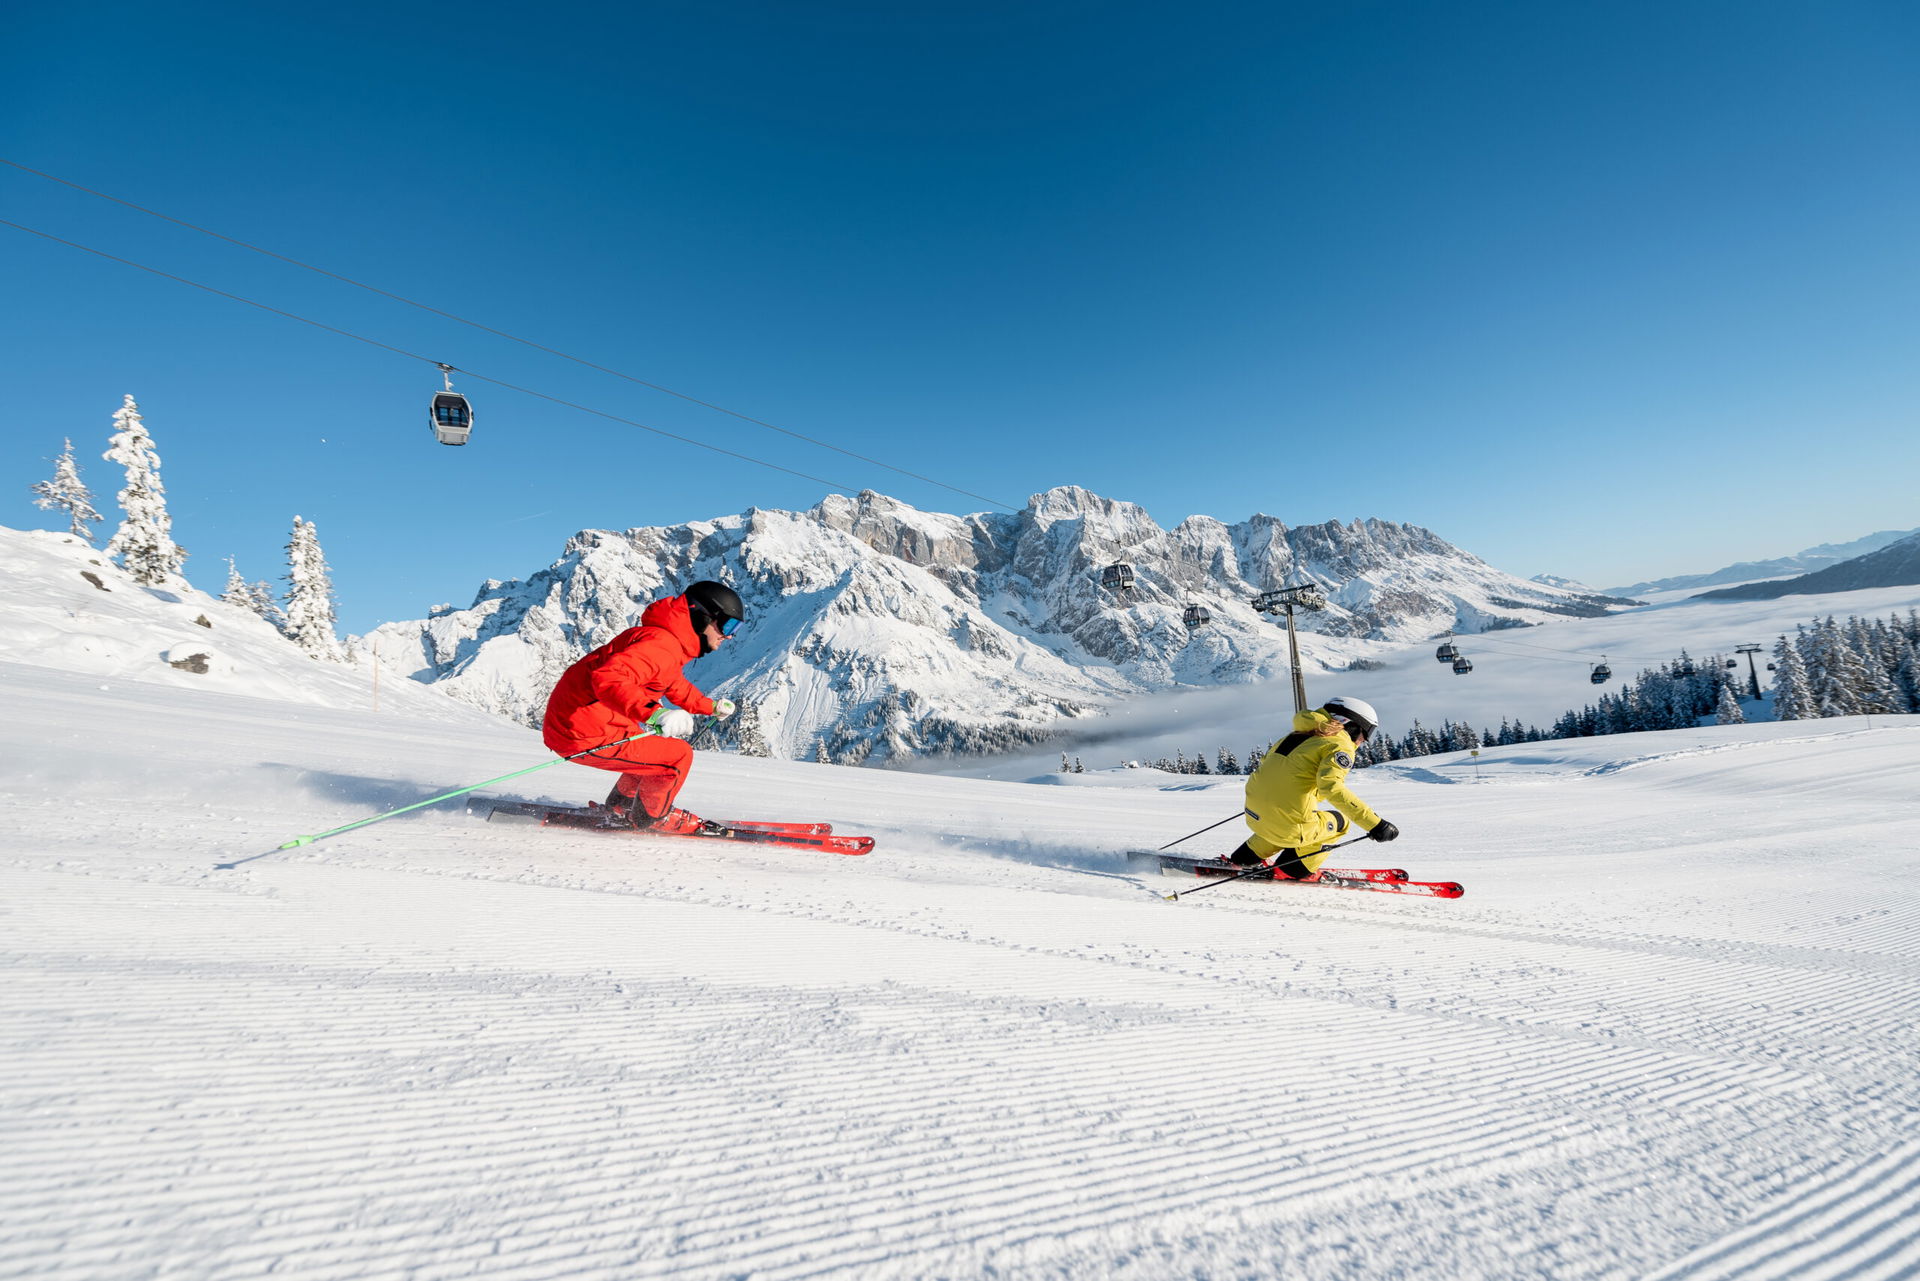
{"x": 1871, "y": 645}
{"x": 1837, "y": 672}
{"x": 1728, "y": 711}
{"x": 67, "y": 493}
{"x": 1226, "y": 764}
{"x": 310, "y": 613}
{"x": 1906, "y": 677}
{"x": 237, "y": 591}
{"x": 255, "y": 597}
{"x": 1792, "y": 698}
{"x": 144, "y": 542}
{"x": 749, "y": 733}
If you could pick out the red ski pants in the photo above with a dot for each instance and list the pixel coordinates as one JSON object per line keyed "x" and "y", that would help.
{"x": 651, "y": 769}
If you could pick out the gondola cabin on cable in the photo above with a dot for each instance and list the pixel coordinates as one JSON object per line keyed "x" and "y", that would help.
{"x": 1447, "y": 653}
{"x": 1601, "y": 673}
{"x": 1117, "y": 578}
{"x": 1461, "y": 666}
{"x": 450, "y": 414}
{"x": 1197, "y": 616}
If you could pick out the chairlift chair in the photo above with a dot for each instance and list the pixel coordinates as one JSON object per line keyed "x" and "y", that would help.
{"x": 450, "y": 415}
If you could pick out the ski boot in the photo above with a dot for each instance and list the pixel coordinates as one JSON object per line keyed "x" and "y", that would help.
{"x": 674, "y": 822}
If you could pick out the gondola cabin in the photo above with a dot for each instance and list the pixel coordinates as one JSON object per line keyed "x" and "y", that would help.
{"x": 1117, "y": 578}
{"x": 1461, "y": 666}
{"x": 1447, "y": 653}
{"x": 1197, "y": 616}
{"x": 1601, "y": 673}
{"x": 450, "y": 415}
{"x": 452, "y": 418}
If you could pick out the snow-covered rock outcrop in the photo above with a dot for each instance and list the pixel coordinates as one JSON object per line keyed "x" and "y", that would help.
{"x": 880, "y": 631}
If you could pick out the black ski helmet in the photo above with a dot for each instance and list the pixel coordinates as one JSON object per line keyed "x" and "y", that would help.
{"x": 711, "y": 602}
{"x": 1357, "y": 713}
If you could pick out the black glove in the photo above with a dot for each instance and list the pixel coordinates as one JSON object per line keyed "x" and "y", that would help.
{"x": 1383, "y": 831}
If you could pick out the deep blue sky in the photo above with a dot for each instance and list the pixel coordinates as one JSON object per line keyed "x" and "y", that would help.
{"x": 1610, "y": 290}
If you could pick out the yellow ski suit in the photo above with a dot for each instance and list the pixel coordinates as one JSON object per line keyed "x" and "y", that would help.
{"x": 1297, "y": 774}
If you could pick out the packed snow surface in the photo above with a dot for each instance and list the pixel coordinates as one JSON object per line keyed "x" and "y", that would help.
{"x": 1668, "y": 1032}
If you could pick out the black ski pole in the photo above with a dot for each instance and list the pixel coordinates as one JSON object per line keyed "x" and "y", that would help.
{"x": 1255, "y": 870}
{"x": 1190, "y": 835}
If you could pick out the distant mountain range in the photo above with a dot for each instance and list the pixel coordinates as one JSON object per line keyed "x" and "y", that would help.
{"x": 1808, "y": 561}
{"x": 879, "y": 631}
{"x": 1895, "y": 565}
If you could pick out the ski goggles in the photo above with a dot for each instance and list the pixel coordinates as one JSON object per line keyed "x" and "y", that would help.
{"x": 728, "y": 626}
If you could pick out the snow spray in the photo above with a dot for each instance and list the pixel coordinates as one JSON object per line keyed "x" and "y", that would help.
{"x": 298, "y": 841}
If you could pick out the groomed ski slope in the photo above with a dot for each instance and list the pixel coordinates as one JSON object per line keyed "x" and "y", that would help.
{"x": 1668, "y": 1033}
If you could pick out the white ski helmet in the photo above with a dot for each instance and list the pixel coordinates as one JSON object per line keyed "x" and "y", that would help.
{"x": 1357, "y": 713}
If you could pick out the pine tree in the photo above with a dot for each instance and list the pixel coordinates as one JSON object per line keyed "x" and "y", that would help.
{"x": 1728, "y": 712}
{"x": 748, "y": 732}
{"x": 1836, "y": 690}
{"x": 1906, "y": 677}
{"x": 237, "y": 591}
{"x": 262, "y": 602}
{"x": 1200, "y": 763}
{"x": 1065, "y": 768}
{"x": 1792, "y": 699}
{"x": 66, "y": 492}
{"x": 1875, "y": 690}
{"x": 310, "y": 613}
{"x": 144, "y": 542}
{"x": 1225, "y": 764}
{"x": 1078, "y": 768}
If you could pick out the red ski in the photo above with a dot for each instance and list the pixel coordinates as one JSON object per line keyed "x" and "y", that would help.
{"x": 596, "y": 818}
{"x": 1380, "y": 880}
{"x": 1365, "y": 873}
{"x": 791, "y": 829}
{"x": 1427, "y": 889}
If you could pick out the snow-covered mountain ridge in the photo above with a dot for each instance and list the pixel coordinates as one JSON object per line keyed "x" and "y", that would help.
{"x": 881, "y": 631}
{"x": 1806, "y": 561}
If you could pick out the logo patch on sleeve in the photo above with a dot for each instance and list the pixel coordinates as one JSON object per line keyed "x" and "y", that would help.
{"x": 1343, "y": 760}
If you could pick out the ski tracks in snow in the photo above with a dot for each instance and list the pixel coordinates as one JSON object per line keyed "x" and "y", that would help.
{"x": 439, "y": 1050}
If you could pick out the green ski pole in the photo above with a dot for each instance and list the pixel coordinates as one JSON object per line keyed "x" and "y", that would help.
{"x": 298, "y": 841}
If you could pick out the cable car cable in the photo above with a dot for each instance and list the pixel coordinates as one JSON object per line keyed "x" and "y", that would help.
{"x": 501, "y": 333}
{"x": 414, "y": 355}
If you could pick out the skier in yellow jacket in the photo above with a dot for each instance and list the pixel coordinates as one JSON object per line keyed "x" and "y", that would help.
{"x": 1298, "y": 773}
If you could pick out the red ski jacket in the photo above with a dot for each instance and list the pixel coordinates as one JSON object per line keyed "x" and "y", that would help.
{"x": 608, "y": 694}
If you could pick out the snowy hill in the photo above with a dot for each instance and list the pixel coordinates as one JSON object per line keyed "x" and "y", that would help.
{"x": 1530, "y": 675}
{"x": 1802, "y": 562}
{"x": 880, "y": 632}
{"x": 68, "y": 607}
{"x": 1897, "y": 564}
{"x": 1667, "y": 1033}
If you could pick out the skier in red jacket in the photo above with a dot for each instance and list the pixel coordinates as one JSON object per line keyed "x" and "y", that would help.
{"x": 617, "y": 690}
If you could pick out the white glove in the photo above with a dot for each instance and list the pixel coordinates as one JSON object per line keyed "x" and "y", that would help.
{"x": 724, "y": 707}
{"x": 671, "y": 722}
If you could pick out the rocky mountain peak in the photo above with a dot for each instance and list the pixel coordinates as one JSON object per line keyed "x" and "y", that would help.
{"x": 877, "y": 630}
